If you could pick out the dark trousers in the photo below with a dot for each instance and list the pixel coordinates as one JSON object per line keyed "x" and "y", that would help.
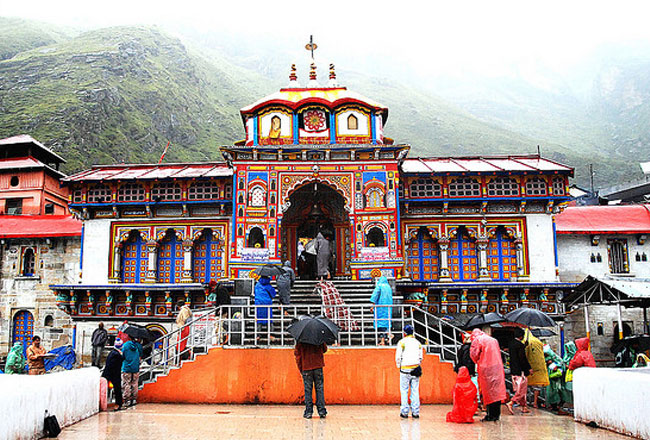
{"x": 494, "y": 411}
{"x": 96, "y": 355}
{"x": 117, "y": 390}
{"x": 314, "y": 379}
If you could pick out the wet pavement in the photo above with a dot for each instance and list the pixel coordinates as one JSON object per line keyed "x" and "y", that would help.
{"x": 178, "y": 421}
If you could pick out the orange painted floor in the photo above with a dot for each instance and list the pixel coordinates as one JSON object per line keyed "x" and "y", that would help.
{"x": 271, "y": 422}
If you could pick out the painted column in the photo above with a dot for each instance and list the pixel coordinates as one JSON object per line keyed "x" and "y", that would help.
{"x": 188, "y": 246}
{"x": 117, "y": 264}
{"x": 620, "y": 320}
{"x": 443, "y": 244}
{"x": 519, "y": 248}
{"x": 586, "y": 307}
{"x": 482, "y": 245}
{"x": 152, "y": 275}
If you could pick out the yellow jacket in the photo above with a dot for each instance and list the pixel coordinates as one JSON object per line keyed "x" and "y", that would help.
{"x": 535, "y": 356}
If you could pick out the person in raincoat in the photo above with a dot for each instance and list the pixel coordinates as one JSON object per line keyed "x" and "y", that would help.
{"x": 15, "y": 360}
{"x": 535, "y": 355}
{"x": 555, "y": 391}
{"x": 570, "y": 350}
{"x": 323, "y": 256}
{"x": 264, "y": 294}
{"x": 583, "y": 357}
{"x": 382, "y": 296}
{"x": 285, "y": 283}
{"x": 642, "y": 361}
{"x": 334, "y": 307}
{"x": 465, "y": 402}
{"x": 463, "y": 359}
{"x": 486, "y": 353}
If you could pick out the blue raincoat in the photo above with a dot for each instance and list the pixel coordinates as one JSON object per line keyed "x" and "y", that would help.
{"x": 264, "y": 294}
{"x": 382, "y": 296}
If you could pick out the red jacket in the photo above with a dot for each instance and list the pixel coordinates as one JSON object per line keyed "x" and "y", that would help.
{"x": 583, "y": 358}
{"x": 309, "y": 357}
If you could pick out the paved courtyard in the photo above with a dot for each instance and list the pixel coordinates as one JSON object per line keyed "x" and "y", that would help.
{"x": 148, "y": 421}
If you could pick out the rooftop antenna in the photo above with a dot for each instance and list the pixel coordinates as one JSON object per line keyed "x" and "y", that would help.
{"x": 311, "y": 46}
{"x": 539, "y": 152}
{"x": 164, "y": 152}
{"x": 591, "y": 177}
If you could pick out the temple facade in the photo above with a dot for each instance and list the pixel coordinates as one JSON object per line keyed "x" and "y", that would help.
{"x": 459, "y": 234}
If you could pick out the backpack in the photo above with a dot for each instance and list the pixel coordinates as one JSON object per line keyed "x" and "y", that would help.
{"x": 51, "y": 426}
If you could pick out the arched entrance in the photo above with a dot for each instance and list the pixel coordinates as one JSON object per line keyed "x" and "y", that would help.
{"x": 316, "y": 207}
{"x": 23, "y": 328}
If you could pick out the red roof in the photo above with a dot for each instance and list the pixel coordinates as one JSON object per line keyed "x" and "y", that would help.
{"x": 478, "y": 164}
{"x": 32, "y": 226}
{"x": 152, "y": 171}
{"x": 622, "y": 219}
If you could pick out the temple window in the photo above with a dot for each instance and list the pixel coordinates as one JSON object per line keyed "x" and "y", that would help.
{"x": 207, "y": 258}
{"x": 166, "y": 192}
{"x": 501, "y": 256}
{"x": 135, "y": 259}
{"x": 99, "y": 194}
{"x": 170, "y": 258}
{"x": 255, "y": 238}
{"x": 463, "y": 257}
{"x": 375, "y": 237}
{"x": 77, "y": 196}
{"x": 29, "y": 263}
{"x": 503, "y": 186}
{"x": 536, "y": 186}
{"x": 423, "y": 257}
{"x": 558, "y": 186}
{"x": 618, "y": 256}
{"x": 375, "y": 198}
{"x": 425, "y": 188}
{"x": 353, "y": 123}
{"x": 465, "y": 187}
{"x": 204, "y": 190}
{"x": 227, "y": 191}
{"x": 257, "y": 197}
{"x": 131, "y": 192}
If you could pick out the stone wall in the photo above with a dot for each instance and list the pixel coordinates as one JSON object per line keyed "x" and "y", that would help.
{"x": 541, "y": 251}
{"x": 56, "y": 262}
{"x": 607, "y": 318}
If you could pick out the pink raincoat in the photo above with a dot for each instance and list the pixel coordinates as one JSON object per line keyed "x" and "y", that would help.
{"x": 486, "y": 353}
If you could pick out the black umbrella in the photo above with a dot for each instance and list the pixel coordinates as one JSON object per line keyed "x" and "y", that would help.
{"x": 137, "y": 331}
{"x": 643, "y": 342}
{"x": 484, "y": 319}
{"x": 314, "y": 330}
{"x": 542, "y": 332}
{"x": 530, "y": 317}
{"x": 269, "y": 270}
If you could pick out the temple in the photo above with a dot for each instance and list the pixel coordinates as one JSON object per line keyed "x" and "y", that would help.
{"x": 459, "y": 234}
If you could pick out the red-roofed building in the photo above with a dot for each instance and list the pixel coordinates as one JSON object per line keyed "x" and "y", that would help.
{"x": 603, "y": 240}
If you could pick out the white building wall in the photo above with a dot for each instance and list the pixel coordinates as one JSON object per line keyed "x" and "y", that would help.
{"x": 575, "y": 250}
{"x": 96, "y": 251}
{"x": 541, "y": 252}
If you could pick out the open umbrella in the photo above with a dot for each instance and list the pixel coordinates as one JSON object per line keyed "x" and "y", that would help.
{"x": 542, "y": 332}
{"x": 269, "y": 270}
{"x": 137, "y": 331}
{"x": 643, "y": 342}
{"x": 530, "y": 317}
{"x": 310, "y": 247}
{"x": 484, "y": 319}
{"x": 314, "y": 330}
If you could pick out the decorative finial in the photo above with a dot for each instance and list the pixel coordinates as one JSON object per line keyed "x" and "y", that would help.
{"x": 293, "y": 76}
{"x": 311, "y": 46}
{"x": 332, "y": 72}
{"x": 312, "y": 72}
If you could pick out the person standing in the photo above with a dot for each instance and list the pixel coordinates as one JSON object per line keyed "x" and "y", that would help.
{"x": 463, "y": 359}
{"x": 98, "y": 341}
{"x": 383, "y": 296}
{"x": 519, "y": 369}
{"x": 310, "y": 361}
{"x": 583, "y": 357}
{"x": 285, "y": 282}
{"x": 486, "y": 353}
{"x": 408, "y": 357}
{"x": 132, "y": 351}
{"x": 184, "y": 314}
{"x": 323, "y": 256}
{"x": 112, "y": 371}
{"x": 264, "y": 294}
{"x": 35, "y": 357}
{"x": 538, "y": 378}
{"x": 15, "y": 360}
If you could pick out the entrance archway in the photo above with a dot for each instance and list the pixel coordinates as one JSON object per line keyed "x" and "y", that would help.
{"x": 315, "y": 207}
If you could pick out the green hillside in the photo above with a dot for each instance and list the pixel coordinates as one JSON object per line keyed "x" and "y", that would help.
{"x": 18, "y": 35}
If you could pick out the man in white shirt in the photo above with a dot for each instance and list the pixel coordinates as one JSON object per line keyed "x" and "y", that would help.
{"x": 408, "y": 357}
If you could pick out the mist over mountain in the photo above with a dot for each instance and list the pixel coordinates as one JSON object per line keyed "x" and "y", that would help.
{"x": 120, "y": 94}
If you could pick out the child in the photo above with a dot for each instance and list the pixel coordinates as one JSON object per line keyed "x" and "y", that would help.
{"x": 465, "y": 402}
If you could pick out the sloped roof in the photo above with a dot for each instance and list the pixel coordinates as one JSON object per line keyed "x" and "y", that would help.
{"x": 25, "y": 163}
{"x": 328, "y": 96}
{"x": 620, "y": 219}
{"x": 25, "y": 139}
{"x": 477, "y": 164}
{"x": 33, "y": 226}
{"x": 152, "y": 171}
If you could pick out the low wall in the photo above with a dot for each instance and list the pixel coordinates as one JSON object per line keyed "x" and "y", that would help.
{"x": 616, "y": 399}
{"x": 352, "y": 376}
{"x": 70, "y": 396}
